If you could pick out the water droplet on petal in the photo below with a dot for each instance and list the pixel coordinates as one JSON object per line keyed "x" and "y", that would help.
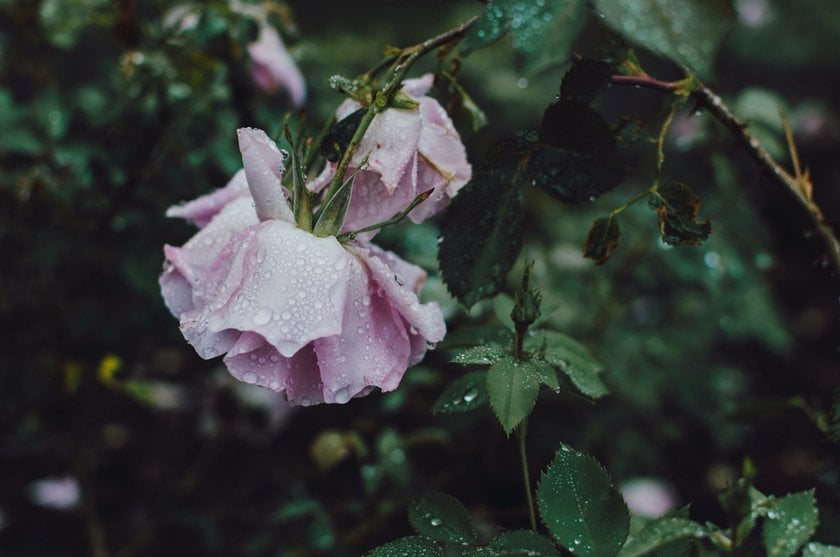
{"x": 262, "y": 317}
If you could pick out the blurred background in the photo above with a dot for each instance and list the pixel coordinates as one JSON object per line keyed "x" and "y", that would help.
{"x": 117, "y": 439}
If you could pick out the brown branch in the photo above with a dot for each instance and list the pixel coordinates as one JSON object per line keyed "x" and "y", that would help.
{"x": 712, "y": 102}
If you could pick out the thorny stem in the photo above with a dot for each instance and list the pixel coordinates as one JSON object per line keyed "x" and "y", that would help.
{"x": 799, "y": 186}
{"x": 521, "y": 433}
{"x": 401, "y": 64}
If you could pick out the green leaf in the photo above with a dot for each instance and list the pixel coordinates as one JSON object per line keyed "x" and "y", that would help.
{"x": 482, "y": 229}
{"x": 687, "y": 31}
{"x": 442, "y": 518}
{"x": 574, "y": 126}
{"x": 815, "y": 549}
{"x": 602, "y": 240}
{"x": 572, "y": 177}
{"x": 339, "y": 136}
{"x": 572, "y": 358}
{"x": 521, "y": 543}
{"x": 466, "y": 393}
{"x": 585, "y": 80}
{"x": 677, "y": 206}
{"x": 659, "y": 534}
{"x": 790, "y": 523}
{"x": 416, "y": 546}
{"x": 481, "y": 355}
{"x": 541, "y": 31}
{"x": 581, "y": 507}
{"x": 546, "y": 373}
{"x": 513, "y": 387}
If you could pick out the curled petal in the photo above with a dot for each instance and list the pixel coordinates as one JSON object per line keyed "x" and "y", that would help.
{"x": 186, "y": 266}
{"x": 202, "y": 209}
{"x": 264, "y": 170}
{"x": 426, "y": 319}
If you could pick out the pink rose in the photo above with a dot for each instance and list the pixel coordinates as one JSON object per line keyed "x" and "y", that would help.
{"x": 409, "y": 151}
{"x": 318, "y": 320}
{"x": 273, "y": 68}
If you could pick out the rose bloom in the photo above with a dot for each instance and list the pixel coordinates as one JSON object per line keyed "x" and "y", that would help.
{"x": 410, "y": 151}
{"x": 316, "y": 319}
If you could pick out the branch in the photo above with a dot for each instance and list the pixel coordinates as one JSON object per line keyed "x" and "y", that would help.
{"x": 799, "y": 186}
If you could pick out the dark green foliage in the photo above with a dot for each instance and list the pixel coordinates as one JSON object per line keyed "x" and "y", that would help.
{"x": 581, "y": 507}
{"x": 585, "y": 80}
{"x": 688, "y": 31}
{"x": 789, "y": 523}
{"x": 442, "y": 518}
{"x": 513, "y": 387}
{"x": 661, "y": 535}
{"x": 416, "y": 546}
{"x": 541, "y": 32}
{"x": 572, "y": 177}
{"x": 339, "y": 136}
{"x": 571, "y": 358}
{"x": 520, "y": 543}
{"x": 482, "y": 229}
{"x": 466, "y": 393}
{"x": 602, "y": 240}
{"x": 574, "y": 126}
{"x": 677, "y": 206}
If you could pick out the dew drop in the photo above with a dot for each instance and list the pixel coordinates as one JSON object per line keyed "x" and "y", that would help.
{"x": 470, "y": 395}
{"x": 250, "y": 377}
{"x": 435, "y": 521}
{"x": 262, "y": 317}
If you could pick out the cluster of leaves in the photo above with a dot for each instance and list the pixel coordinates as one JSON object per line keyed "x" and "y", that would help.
{"x": 572, "y": 158}
{"x": 587, "y": 516}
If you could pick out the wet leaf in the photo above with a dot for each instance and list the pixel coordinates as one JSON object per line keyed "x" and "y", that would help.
{"x": 574, "y": 126}
{"x": 416, "y": 546}
{"x": 481, "y": 355}
{"x": 466, "y": 393}
{"x": 815, "y": 549}
{"x": 602, "y": 240}
{"x": 541, "y": 32}
{"x": 581, "y": 507}
{"x": 482, "y": 229}
{"x": 443, "y": 518}
{"x": 339, "y": 136}
{"x": 520, "y": 543}
{"x": 585, "y": 80}
{"x": 659, "y": 534}
{"x": 513, "y": 387}
{"x": 571, "y": 358}
{"x": 790, "y": 523}
{"x": 677, "y": 206}
{"x": 547, "y": 374}
{"x": 572, "y": 177}
{"x": 687, "y": 31}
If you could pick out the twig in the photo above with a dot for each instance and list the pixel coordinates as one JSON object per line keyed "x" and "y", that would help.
{"x": 798, "y": 186}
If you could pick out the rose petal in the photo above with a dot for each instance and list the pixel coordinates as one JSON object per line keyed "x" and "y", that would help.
{"x": 275, "y": 280}
{"x": 264, "y": 170}
{"x": 274, "y": 68}
{"x": 185, "y": 266}
{"x": 427, "y": 319}
{"x": 202, "y": 209}
{"x": 372, "y": 349}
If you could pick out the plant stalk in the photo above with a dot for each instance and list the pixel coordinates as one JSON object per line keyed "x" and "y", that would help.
{"x": 521, "y": 433}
